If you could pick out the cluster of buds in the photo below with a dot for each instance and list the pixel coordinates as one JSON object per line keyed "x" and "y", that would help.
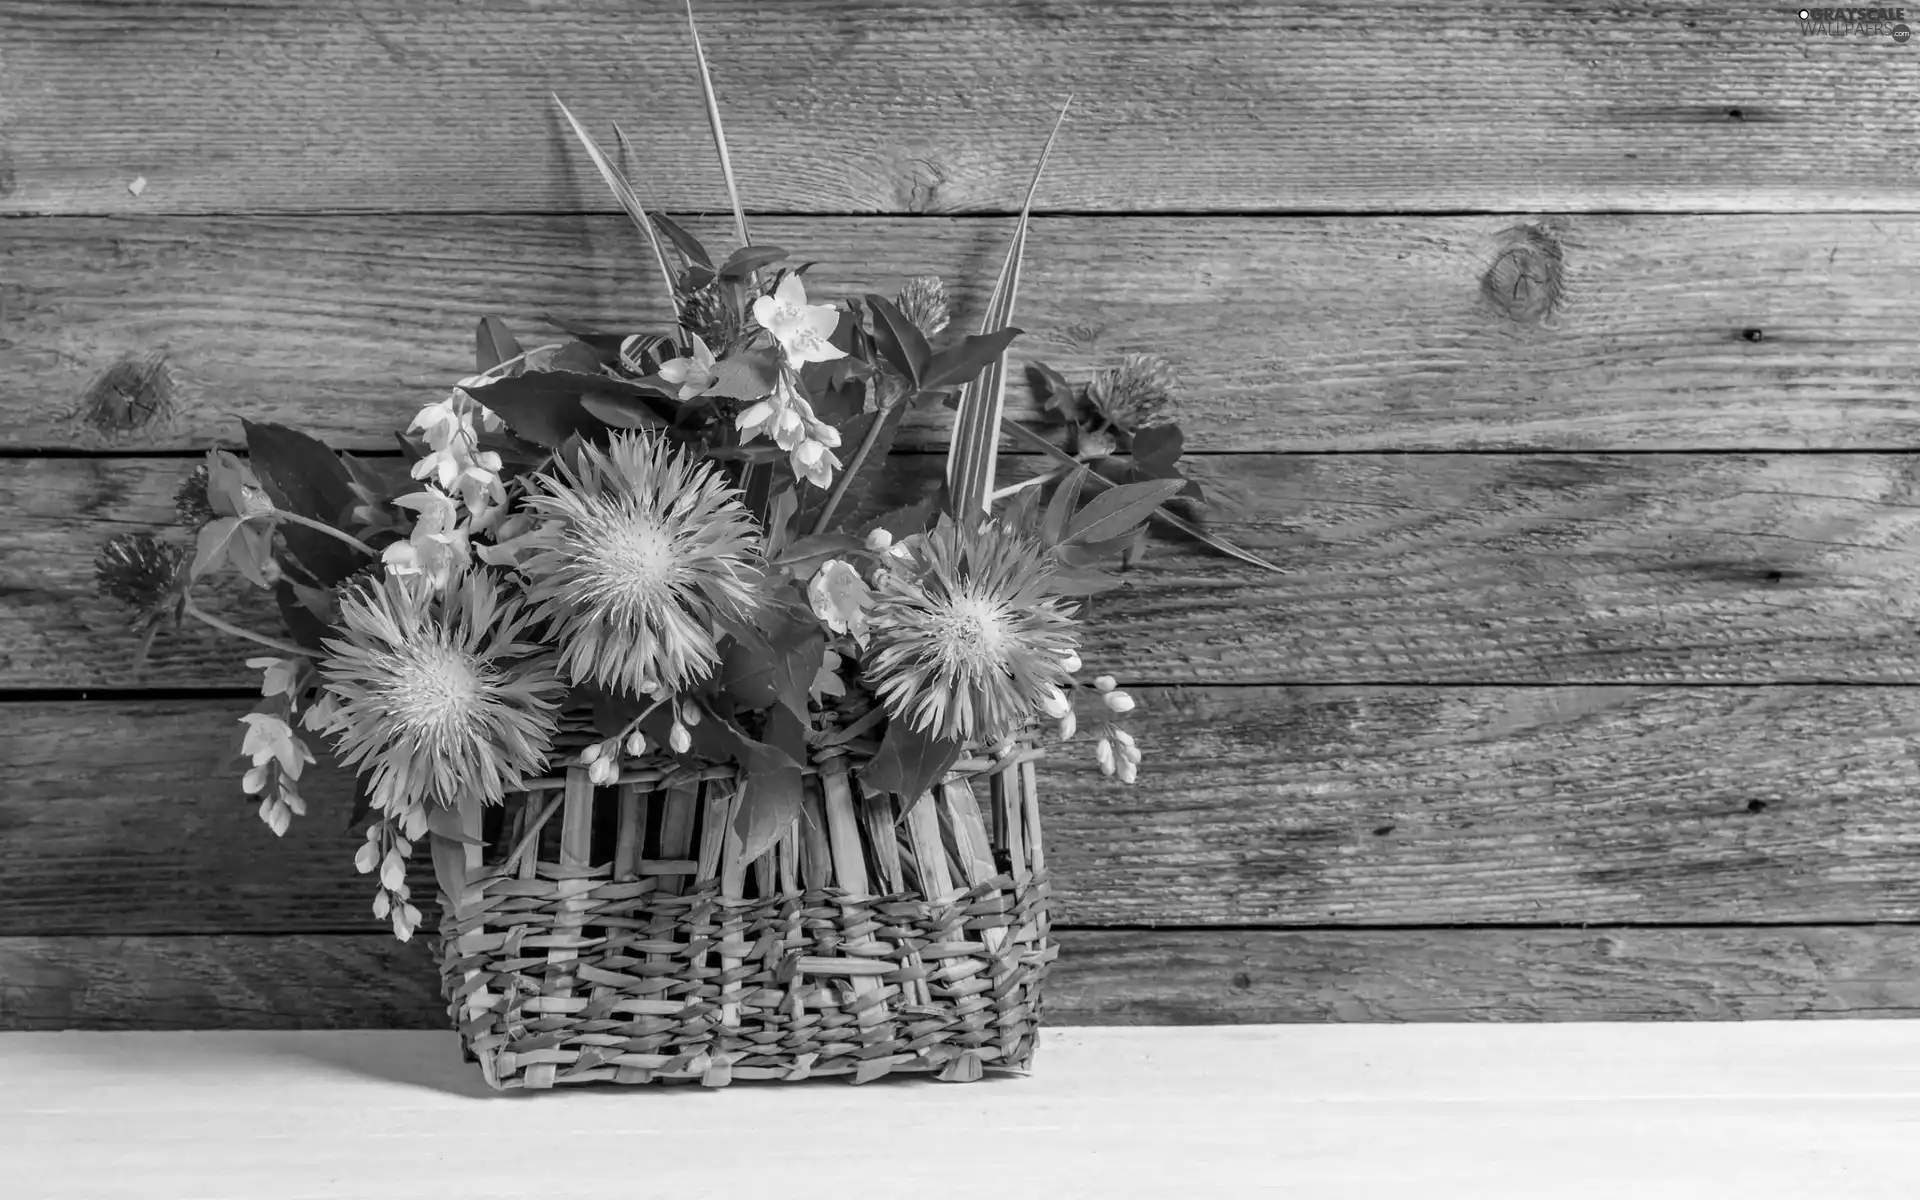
{"x": 1116, "y": 751}
{"x": 787, "y": 418}
{"x": 604, "y": 760}
{"x": 387, "y": 850}
{"x": 277, "y": 753}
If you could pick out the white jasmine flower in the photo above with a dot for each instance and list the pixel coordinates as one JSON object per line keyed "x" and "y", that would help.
{"x": 802, "y": 329}
{"x": 694, "y": 374}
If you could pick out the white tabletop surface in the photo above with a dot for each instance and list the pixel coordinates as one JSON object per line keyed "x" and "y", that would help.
{"x": 1826, "y": 1109}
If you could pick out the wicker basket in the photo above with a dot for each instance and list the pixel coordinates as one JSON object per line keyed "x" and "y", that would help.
{"x": 613, "y": 934}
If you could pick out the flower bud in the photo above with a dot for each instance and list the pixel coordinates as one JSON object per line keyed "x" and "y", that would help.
{"x": 679, "y": 738}
{"x": 1105, "y": 683}
{"x": 1071, "y": 661}
{"x": 1068, "y": 725}
{"x": 1119, "y": 702}
{"x": 604, "y": 772}
{"x": 1103, "y": 752}
{"x": 879, "y": 540}
{"x": 590, "y": 755}
{"x": 1129, "y": 752}
{"x": 382, "y": 903}
{"x": 393, "y": 871}
{"x": 636, "y": 744}
{"x": 689, "y": 714}
{"x": 1055, "y": 704}
{"x": 1127, "y": 771}
{"x": 366, "y": 858}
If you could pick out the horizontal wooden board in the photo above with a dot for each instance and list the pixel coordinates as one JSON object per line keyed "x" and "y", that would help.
{"x": 1515, "y": 568}
{"x": 1447, "y": 333}
{"x": 1103, "y": 977}
{"x": 1254, "y": 806}
{"x": 940, "y": 106}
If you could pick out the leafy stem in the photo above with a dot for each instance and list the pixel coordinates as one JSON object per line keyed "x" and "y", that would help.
{"x": 852, "y": 470}
{"x": 325, "y": 528}
{"x": 214, "y": 622}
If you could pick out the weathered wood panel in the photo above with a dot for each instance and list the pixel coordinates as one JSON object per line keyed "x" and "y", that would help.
{"x": 1567, "y": 333}
{"x": 939, "y": 106}
{"x": 1165, "y": 977}
{"x": 1304, "y": 806}
{"x": 1521, "y": 568}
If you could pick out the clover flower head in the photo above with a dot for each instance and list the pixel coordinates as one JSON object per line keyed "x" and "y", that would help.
{"x": 1137, "y": 394}
{"x": 924, "y": 302}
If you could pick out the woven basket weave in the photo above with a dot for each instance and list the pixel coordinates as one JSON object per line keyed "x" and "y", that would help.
{"x": 614, "y": 934}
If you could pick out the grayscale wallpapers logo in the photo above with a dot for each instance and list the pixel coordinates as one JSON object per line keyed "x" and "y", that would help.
{"x": 1855, "y": 22}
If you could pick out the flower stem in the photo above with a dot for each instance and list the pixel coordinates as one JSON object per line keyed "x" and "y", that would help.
{"x": 323, "y": 527}
{"x": 852, "y": 469}
{"x": 235, "y": 631}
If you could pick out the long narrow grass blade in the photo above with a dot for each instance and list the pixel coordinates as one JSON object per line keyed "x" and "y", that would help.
{"x": 653, "y": 235}
{"x": 719, "y": 134}
{"x": 973, "y": 455}
{"x": 1101, "y": 483}
{"x": 624, "y": 193}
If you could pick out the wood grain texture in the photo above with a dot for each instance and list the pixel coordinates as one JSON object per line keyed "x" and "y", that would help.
{"x": 1254, "y": 806}
{"x": 940, "y": 106}
{"x": 1339, "y": 333}
{"x": 1430, "y": 568}
{"x": 1169, "y": 977}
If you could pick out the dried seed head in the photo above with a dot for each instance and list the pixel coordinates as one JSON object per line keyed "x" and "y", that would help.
{"x": 1136, "y": 394}
{"x": 138, "y": 570}
{"x": 924, "y": 302}
{"x": 190, "y": 503}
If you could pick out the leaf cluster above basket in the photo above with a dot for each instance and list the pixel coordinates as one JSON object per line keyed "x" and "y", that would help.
{"x": 658, "y": 528}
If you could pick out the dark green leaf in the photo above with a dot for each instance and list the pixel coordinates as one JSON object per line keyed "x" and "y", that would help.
{"x": 962, "y": 364}
{"x": 685, "y": 243}
{"x": 211, "y": 546}
{"x": 777, "y": 663}
{"x": 413, "y": 451}
{"x": 1023, "y": 511}
{"x": 1054, "y": 526}
{"x": 770, "y": 792}
{"x": 908, "y": 520}
{"x": 605, "y": 345}
{"x": 748, "y": 375}
{"x": 899, "y": 340}
{"x": 301, "y": 474}
{"x": 305, "y": 628}
{"x": 1053, "y": 391}
{"x": 909, "y": 762}
{"x": 493, "y": 344}
{"x": 623, "y": 412}
{"x": 1157, "y": 448}
{"x": 872, "y": 469}
{"x": 748, "y": 259}
{"x": 1116, "y": 511}
{"x": 1081, "y": 581}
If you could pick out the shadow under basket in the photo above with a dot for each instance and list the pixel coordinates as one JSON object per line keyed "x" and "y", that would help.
{"x": 614, "y": 934}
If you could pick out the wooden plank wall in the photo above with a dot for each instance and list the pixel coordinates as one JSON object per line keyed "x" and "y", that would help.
{"x": 1563, "y": 353}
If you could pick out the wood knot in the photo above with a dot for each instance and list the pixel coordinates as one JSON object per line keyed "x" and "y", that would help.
{"x": 130, "y": 395}
{"x": 1526, "y": 280}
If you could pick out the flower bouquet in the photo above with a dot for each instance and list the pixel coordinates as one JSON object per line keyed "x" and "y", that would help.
{"x": 691, "y": 723}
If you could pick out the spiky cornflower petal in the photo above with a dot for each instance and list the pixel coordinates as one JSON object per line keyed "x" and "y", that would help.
{"x": 969, "y": 643}
{"x": 643, "y": 550}
{"x": 138, "y": 570}
{"x": 1136, "y": 394}
{"x": 441, "y": 698}
{"x": 924, "y": 302}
